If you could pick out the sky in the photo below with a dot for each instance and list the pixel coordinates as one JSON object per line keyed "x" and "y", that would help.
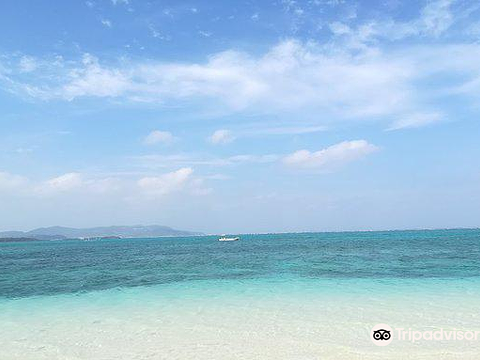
{"x": 240, "y": 116}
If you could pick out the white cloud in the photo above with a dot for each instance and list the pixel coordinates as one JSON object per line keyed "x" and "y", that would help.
{"x": 125, "y": 2}
{"x": 64, "y": 182}
{"x": 290, "y": 76}
{"x": 348, "y": 78}
{"x": 106, "y": 23}
{"x": 436, "y": 17}
{"x": 159, "y": 137}
{"x": 77, "y": 186}
{"x": 221, "y": 137}
{"x": 282, "y": 130}
{"x": 198, "y": 188}
{"x": 237, "y": 159}
{"x": 76, "y": 182}
{"x": 157, "y": 34}
{"x": 434, "y": 20}
{"x": 168, "y": 12}
{"x": 331, "y": 157}
{"x": 166, "y": 183}
{"x": 416, "y": 120}
{"x": 166, "y": 161}
{"x": 206, "y": 34}
{"x": 93, "y": 80}
{"x": 103, "y": 185}
{"x": 27, "y": 64}
{"x": 339, "y": 28}
{"x": 10, "y": 181}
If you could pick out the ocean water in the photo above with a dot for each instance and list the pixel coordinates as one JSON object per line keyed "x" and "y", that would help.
{"x": 279, "y": 296}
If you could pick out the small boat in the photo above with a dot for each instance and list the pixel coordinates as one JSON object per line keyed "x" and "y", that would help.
{"x": 225, "y": 238}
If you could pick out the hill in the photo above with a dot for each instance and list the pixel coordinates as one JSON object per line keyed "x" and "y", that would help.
{"x": 60, "y": 232}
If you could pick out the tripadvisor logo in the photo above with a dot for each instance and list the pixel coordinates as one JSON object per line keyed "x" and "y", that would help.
{"x": 381, "y": 334}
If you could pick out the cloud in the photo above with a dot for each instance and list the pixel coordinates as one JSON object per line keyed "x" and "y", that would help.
{"x": 168, "y": 12}
{"x": 237, "y": 159}
{"x": 157, "y": 34}
{"x": 198, "y": 188}
{"x": 280, "y": 130}
{"x": 159, "y": 137}
{"x": 166, "y": 161}
{"x": 74, "y": 182}
{"x": 21, "y": 185}
{"x": 416, "y": 120}
{"x": 436, "y": 17}
{"x": 93, "y": 80}
{"x": 338, "y": 28}
{"x": 221, "y": 137}
{"x": 331, "y": 157}
{"x": 9, "y": 181}
{"x": 106, "y": 23}
{"x": 355, "y": 75}
{"x": 166, "y": 183}
{"x": 434, "y": 20}
{"x": 206, "y": 34}
{"x": 64, "y": 182}
{"x": 76, "y": 185}
{"x": 104, "y": 185}
{"x": 125, "y": 2}
{"x": 290, "y": 76}
{"x": 27, "y": 64}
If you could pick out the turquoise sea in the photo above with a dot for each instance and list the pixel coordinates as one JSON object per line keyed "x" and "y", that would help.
{"x": 275, "y": 296}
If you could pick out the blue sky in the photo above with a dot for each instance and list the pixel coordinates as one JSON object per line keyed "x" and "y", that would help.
{"x": 245, "y": 116}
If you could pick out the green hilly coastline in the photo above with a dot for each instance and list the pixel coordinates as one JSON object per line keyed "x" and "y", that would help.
{"x": 60, "y": 232}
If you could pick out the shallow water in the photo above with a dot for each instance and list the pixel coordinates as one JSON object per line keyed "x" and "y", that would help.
{"x": 284, "y": 296}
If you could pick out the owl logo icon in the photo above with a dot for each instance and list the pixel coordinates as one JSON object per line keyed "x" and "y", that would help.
{"x": 381, "y": 334}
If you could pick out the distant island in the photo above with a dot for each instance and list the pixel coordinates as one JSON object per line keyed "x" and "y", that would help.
{"x": 60, "y": 232}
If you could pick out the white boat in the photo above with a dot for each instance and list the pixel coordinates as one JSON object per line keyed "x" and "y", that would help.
{"x": 225, "y": 238}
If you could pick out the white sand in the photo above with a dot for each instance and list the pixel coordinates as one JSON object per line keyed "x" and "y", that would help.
{"x": 251, "y": 323}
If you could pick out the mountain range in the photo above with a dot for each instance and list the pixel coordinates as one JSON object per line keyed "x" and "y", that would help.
{"x": 60, "y": 232}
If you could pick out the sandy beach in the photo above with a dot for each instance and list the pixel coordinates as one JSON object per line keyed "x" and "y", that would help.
{"x": 251, "y": 320}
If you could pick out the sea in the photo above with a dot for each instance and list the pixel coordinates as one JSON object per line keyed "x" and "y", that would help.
{"x": 269, "y": 296}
